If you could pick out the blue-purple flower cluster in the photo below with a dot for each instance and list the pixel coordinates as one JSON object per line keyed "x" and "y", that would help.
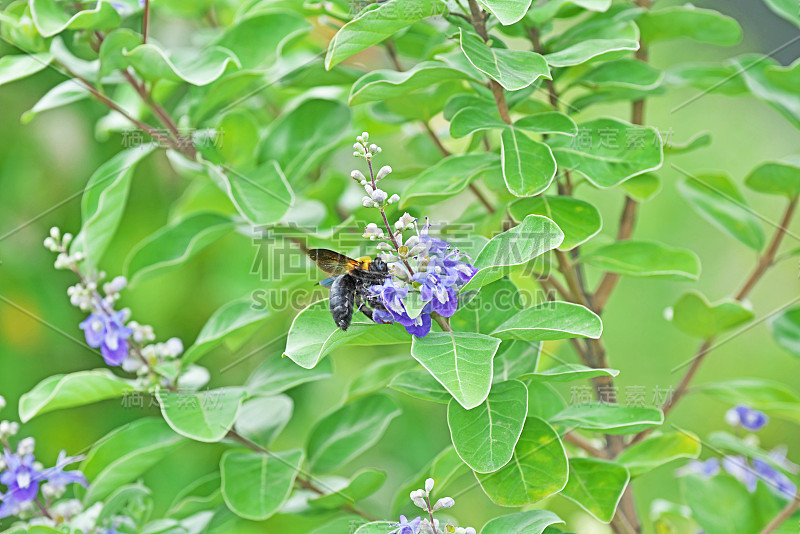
{"x": 23, "y": 477}
{"x": 426, "y": 270}
{"x": 120, "y": 340}
{"x": 750, "y": 471}
{"x": 428, "y": 525}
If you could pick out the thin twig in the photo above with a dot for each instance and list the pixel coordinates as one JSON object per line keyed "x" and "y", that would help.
{"x": 783, "y": 515}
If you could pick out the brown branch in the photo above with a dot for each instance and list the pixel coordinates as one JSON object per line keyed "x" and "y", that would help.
{"x": 478, "y": 20}
{"x": 610, "y": 280}
{"x": 763, "y": 265}
{"x": 783, "y": 515}
{"x": 146, "y": 20}
{"x": 582, "y": 443}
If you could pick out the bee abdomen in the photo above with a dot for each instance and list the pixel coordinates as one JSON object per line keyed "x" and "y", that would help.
{"x": 341, "y": 300}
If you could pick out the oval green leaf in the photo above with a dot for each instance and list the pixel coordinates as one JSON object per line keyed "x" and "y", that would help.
{"x": 550, "y": 321}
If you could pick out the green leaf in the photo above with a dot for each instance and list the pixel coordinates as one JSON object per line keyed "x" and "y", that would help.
{"x": 688, "y": 21}
{"x": 16, "y": 67}
{"x": 537, "y": 470}
{"x": 362, "y": 485}
{"x": 786, "y": 9}
{"x": 202, "y": 416}
{"x": 534, "y": 236}
{"x": 610, "y": 418}
{"x": 484, "y": 437}
{"x": 419, "y": 384}
{"x": 528, "y": 166}
{"x": 578, "y": 219}
{"x": 313, "y": 334}
{"x": 377, "y": 527}
{"x": 261, "y": 419}
{"x": 62, "y": 94}
{"x": 488, "y": 308}
{"x": 276, "y": 375}
{"x": 548, "y": 122}
{"x": 646, "y": 259}
{"x": 596, "y": 486}
{"x": 656, "y": 451}
{"x": 347, "y": 432}
{"x": 556, "y": 8}
{"x": 153, "y": 64}
{"x": 709, "y": 78}
{"x": 262, "y": 195}
{"x": 694, "y": 315}
{"x": 642, "y": 187}
{"x": 382, "y": 85}
{"x": 507, "y": 11}
{"x": 372, "y": 26}
{"x": 699, "y": 140}
{"x": 590, "y": 49}
{"x": 623, "y": 74}
{"x": 775, "y": 85}
{"x": 544, "y": 400}
{"x": 174, "y": 244}
{"x": 50, "y": 18}
{"x": 377, "y": 376}
{"x": 568, "y": 372}
{"x": 300, "y": 138}
{"x": 446, "y": 179}
{"x": 103, "y": 202}
{"x": 254, "y": 484}
{"x": 530, "y": 522}
{"x": 715, "y": 197}
{"x": 515, "y": 359}
{"x": 223, "y": 323}
{"x": 707, "y": 496}
{"x": 75, "y": 389}
{"x": 776, "y": 178}
{"x": 609, "y": 151}
{"x": 125, "y": 454}
{"x": 459, "y": 361}
{"x": 259, "y": 39}
{"x": 772, "y": 397}
{"x": 786, "y": 330}
{"x": 472, "y": 119}
{"x": 198, "y": 496}
{"x": 513, "y": 69}
{"x": 550, "y": 321}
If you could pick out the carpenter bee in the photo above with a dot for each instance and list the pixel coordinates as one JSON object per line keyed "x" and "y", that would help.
{"x": 350, "y": 281}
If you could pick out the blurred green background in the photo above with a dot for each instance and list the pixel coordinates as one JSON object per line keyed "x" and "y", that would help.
{"x": 45, "y": 164}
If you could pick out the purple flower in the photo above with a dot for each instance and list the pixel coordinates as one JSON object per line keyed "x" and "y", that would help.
{"x": 776, "y": 480}
{"x": 392, "y": 297}
{"x": 382, "y": 316}
{"x": 420, "y": 326}
{"x": 109, "y": 333}
{"x": 56, "y": 476}
{"x": 21, "y": 480}
{"x": 740, "y": 469}
{"x": 705, "y": 469}
{"x": 747, "y": 418}
{"x": 407, "y": 527}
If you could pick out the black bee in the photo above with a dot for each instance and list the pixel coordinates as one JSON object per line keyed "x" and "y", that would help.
{"x": 350, "y": 283}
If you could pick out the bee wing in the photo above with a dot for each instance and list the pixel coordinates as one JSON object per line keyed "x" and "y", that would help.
{"x": 332, "y": 262}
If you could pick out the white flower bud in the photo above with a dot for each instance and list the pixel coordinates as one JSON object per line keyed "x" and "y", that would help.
{"x": 50, "y": 244}
{"x": 26, "y": 446}
{"x": 379, "y": 196}
{"x": 373, "y": 148}
{"x": 364, "y": 136}
{"x": 394, "y": 198}
{"x": 358, "y": 175}
{"x": 357, "y": 147}
{"x": 367, "y": 202}
{"x": 383, "y": 173}
{"x": 384, "y": 246}
{"x": 55, "y": 233}
{"x": 115, "y": 286}
{"x": 174, "y": 347}
{"x": 2, "y": 464}
{"x": 2, "y": 402}
{"x": 404, "y": 222}
{"x": 67, "y": 239}
{"x": 418, "y": 498}
{"x": 368, "y": 188}
{"x": 372, "y": 231}
{"x": 132, "y": 364}
{"x": 13, "y": 429}
{"x": 429, "y": 485}
{"x": 444, "y": 502}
